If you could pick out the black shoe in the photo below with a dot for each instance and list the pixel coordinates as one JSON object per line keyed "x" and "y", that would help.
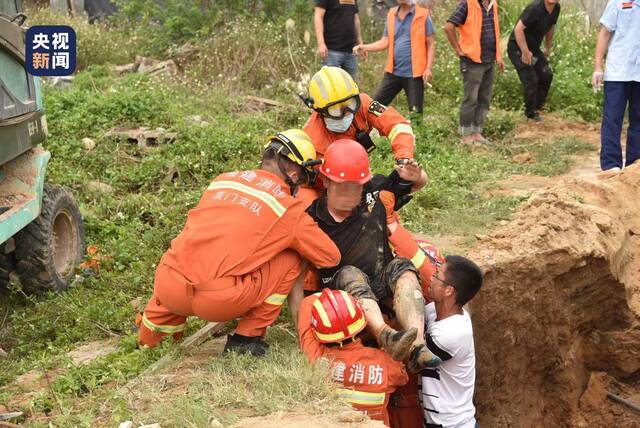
{"x": 246, "y": 345}
{"x": 536, "y": 117}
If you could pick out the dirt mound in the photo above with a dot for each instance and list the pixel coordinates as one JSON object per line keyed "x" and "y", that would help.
{"x": 562, "y": 301}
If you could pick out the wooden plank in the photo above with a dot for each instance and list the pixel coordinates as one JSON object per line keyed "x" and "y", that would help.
{"x": 265, "y": 101}
{"x": 202, "y": 335}
{"x": 617, "y": 399}
{"x": 190, "y": 342}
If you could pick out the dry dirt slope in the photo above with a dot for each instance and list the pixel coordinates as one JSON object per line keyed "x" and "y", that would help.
{"x": 561, "y": 306}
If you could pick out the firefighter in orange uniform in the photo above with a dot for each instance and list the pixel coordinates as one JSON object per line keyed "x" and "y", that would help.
{"x": 328, "y": 329}
{"x": 340, "y": 111}
{"x": 240, "y": 251}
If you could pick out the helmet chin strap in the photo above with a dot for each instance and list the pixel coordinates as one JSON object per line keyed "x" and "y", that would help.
{"x": 293, "y": 187}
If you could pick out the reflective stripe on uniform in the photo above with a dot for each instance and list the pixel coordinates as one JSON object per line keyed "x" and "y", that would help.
{"x": 361, "y": 397}
{"x": 168, "y": 329}
{"x": 400, "y": 129}
{"x": 418, "y": 258}
{"x": 265, "y": 197}
{"x": 276, "y": 299}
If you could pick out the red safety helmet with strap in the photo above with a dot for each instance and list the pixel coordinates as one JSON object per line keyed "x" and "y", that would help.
{"x": 346, "y": 160}
{"x": 432, "y": 252}
{"x": 336, "y": 316}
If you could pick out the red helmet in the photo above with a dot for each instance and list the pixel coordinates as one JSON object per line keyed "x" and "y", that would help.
{"x": 336, "y": 316}
{"x": 346, "y": 160}
{"x": 432, "y": 252}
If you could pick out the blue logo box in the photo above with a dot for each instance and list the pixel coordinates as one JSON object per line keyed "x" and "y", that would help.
{"x": 50, "y": 50}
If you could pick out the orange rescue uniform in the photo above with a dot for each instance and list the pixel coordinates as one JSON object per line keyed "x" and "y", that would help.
{"x": 405, "y": 246}
{"x": 237, "y": 256}
{"x": 471, "y": 30}
{"x": 368, "y": 375}
{"x": 386, "y": 120}
{"x": 417, "y": 37}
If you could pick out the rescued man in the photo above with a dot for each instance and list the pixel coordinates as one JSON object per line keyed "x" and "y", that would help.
{"x": 350, "y": 212}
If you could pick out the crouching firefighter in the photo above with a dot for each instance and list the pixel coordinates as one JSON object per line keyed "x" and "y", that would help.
{"x": 241, "y": 249}
{"x": 329, "y": 327}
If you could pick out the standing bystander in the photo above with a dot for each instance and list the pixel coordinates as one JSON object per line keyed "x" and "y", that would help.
{"x": 478, "y": 49}
{"x": 619, "y": 38}
{"x": 337, "y": 26}
{"x": 537, "y": 22}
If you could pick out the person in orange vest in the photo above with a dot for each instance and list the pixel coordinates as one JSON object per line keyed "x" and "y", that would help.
{"x": 478, "y": 49}
{"x": 240, "y": 251}
{"x": 329, "y": 328}
{"x": 409, "y": 36}
{"x": 341, "y": 111}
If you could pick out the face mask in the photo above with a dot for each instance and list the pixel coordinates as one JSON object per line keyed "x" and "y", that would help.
{"x": 339, "y": 125}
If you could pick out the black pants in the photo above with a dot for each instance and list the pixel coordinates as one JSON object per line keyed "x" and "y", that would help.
{"x": 391, "y": 85}
{"x": 536, "y": 79}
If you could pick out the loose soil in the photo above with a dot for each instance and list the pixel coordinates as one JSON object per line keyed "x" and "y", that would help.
{"x": 558, "y": 318}
{"x": 583, "y": 165}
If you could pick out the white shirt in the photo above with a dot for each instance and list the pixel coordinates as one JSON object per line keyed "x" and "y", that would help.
{"x": 447, "y": 390}
{"x": 622, "y": 18}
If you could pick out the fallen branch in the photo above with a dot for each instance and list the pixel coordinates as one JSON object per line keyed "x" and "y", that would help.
{"x": 10, "y": 415}
{"x": 618, "y": 399}
{"x": 192, "y": 341}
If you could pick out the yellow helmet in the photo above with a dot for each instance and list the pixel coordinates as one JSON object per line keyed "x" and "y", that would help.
{"x": 294, "y": 144}
{"x": 330, "y": 86}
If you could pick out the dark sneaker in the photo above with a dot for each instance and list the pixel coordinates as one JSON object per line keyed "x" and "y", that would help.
{"x": 255, "y": 346}
{"x": 397, "y": 343}
{"x": 536, "y": 118}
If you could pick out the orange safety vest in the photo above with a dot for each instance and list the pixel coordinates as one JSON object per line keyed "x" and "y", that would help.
{"x": 418, "y": 40}
{"x": 470, "y": 32}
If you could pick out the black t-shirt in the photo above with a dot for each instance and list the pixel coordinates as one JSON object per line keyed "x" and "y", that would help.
{"x": 339, "y": 24}
{"x": 362, "y": 238}
{"x": 538, "y": 22}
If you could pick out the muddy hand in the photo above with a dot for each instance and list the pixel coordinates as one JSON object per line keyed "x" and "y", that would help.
{"x": 409, "y": 171}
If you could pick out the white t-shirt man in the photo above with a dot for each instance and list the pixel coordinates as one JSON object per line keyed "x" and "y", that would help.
{"x": 447, "y": 390}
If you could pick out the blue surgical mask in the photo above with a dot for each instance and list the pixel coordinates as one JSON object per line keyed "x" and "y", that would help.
{"x": 339, "y": 125}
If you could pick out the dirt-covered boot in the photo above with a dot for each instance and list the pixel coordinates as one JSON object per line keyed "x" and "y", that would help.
{"x": 397, "y": 343}
{"x": 240, "y": 344}
{"x": 420, "y": 359}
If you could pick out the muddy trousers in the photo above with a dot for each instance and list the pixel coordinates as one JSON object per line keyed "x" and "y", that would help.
{"x": 256, "y": 298}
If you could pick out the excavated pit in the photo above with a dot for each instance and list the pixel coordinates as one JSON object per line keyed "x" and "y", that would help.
{"x": 557, "y": 324}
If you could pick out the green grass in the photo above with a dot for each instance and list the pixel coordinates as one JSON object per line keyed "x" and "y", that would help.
{"x": 153, "y": 191}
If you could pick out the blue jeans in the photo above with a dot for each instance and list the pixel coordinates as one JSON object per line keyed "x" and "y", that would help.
{"x": 345, "y": 60}
{"x": 616, "y": 97}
